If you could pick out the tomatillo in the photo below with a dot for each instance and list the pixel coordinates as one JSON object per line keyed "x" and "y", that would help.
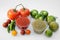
{"x": 48, "y": 33}
{"x": 33, "y": 13}
{"x": 50, "y": 19}
{"x": 44, "y": 13}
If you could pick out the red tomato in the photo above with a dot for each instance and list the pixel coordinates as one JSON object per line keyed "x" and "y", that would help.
{"x": 27, "y": 32}
{"x": 24, "y": 12}
{"x": 22, "y": 22}
{"x": 12, "y": 14}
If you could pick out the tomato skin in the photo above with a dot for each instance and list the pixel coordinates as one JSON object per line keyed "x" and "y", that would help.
{"x": 12, "y": 14}
{"x": 24, "y": 12}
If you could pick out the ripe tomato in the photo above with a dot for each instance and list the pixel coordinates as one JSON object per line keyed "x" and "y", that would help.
{"x": 12, "y": 14}
{"x": 24, "y": 12}
{"x": 27, "y": 32}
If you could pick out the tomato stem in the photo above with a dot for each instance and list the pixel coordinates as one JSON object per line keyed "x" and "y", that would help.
{"x": 15, "y": 10}
{"x": 18, "y": 5}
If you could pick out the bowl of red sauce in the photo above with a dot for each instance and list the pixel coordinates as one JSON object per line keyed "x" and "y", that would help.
{"x": 22, "y": 22}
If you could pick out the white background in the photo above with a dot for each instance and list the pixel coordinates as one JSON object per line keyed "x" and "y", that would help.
{"x": 52, "y": 6}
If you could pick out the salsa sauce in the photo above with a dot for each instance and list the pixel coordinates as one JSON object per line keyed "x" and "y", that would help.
{"x": 22, "y": 22}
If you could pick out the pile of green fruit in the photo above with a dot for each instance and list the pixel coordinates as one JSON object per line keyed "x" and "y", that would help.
{"x": 51, "y": 21}
{"x": 42, "y": 15}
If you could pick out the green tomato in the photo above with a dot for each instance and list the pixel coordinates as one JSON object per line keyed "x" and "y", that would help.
{"x": 34, "y": 12}
{"x": 50, "y": 19}
{"x": 53, "y": 26}
{"x": 37, "y": 16}
{"x": 44, "y": 13}
{"x": 48, "y": 33}
{"x": 41, "y": 18}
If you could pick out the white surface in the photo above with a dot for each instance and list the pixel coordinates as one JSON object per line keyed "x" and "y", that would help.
{"x": 52, "y": 6}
